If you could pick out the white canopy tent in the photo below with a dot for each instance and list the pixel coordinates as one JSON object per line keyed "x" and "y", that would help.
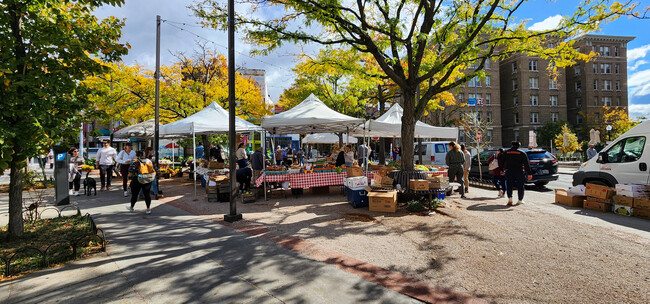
{"x": 143, "y": 130}
{"x": 310, "y": 116}
{"x": 327, "y": 138}
{"x": 390, "y": 125}
{"x": 213, "y": 119}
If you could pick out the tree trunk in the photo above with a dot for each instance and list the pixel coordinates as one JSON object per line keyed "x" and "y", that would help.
{"x": 15, "y": 196}
{"x": 206, "y": 146}
{"x": 408, "y": 131}
{"x": 382, "y": 144}
{"x": 340, "y": 135}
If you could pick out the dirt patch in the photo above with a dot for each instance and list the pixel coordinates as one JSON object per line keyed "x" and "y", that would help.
{"x": 359, "y": 217}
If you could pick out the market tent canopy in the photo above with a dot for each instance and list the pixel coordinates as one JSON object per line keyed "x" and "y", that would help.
{"x": 327, "y": 138}
{"x": 310, "y": 116}
{"x": 212, "y": 119}
{"x": 390, "y": 125}
{"x": 144, "y": 129}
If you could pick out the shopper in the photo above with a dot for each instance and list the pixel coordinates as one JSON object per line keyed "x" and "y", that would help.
{"x": 466, "y": 166}
{"x": 242, "y": 155}
{"x": 300, "y": 157}
{"x": 244, "y": 178}
{"x": 340, "y": 157}
{"x": 363, "y": 152}
{"x": 143, "y": 174}
{"x": 257, "y": 163}
{"x": 106, "y": 157}
{"x": 278, "y": 156}
{"x": 50, "y": 158}
{"x": 219, "y": 154}
{"x": 76, "y": 162}
{"x": 349, "y": 156}
{"x": 455, "y": 160}
{"x": 148, "y": 153}
{"x": 517, "y": 168}
{"x": 591, "y": 152}
{"x": 124, "y": 158}
{"x": 498, "y": 177}
{"x": 199, "y": 151}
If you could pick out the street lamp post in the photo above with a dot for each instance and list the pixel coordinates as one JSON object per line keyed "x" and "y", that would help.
{"x": 609, "y": 130}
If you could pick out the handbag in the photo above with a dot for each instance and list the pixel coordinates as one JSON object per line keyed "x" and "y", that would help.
{"x": 493, "y": 165}
{"x": 146, "y": 178}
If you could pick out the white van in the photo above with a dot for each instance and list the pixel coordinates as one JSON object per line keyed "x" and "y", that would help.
{"x": 624, "y": 161}
{"x": 433, "y": 153}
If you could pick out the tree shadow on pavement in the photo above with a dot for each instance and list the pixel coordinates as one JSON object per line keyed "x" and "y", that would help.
{"x": 489, "y": 208}
{"x": 626, "y": 221}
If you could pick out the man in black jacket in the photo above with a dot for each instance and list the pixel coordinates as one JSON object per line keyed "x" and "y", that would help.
{"x": 517, "y": 168}
{"x": 257, "y": 163}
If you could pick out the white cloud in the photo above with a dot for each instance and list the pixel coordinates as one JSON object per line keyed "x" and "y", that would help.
{"x": 638, "y": 53}
{"x": 639, "y": 83}
{"x": 547, "y": 24}
{"x": 636, "y": 110}
{"x": 637, "y": 64}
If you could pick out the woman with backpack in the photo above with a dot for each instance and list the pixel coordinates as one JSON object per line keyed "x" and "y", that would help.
{"x": 498, "y": 176}
{"x": 143, "y": 174}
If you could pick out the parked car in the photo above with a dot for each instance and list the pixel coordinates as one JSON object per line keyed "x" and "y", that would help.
{"x": 433, "y": 153}
{"x": 543, "y": 165}
{"x": 623, "y": 161}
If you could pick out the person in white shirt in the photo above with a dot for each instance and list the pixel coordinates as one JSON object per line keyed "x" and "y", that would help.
{"x": 106, "y": 157}
{"x": 124, "y": 158}
{"x": 466, "y": 166}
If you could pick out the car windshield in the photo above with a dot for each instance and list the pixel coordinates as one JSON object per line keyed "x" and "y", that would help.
{"x": 539, "y": 155}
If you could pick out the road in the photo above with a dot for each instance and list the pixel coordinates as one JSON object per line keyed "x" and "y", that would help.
{"x": 565, "y": 179}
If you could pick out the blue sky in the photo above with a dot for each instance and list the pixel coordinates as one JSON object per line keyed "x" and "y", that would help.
{"x": 141, "y": 20}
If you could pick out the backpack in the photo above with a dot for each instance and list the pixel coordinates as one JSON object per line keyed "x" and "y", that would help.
{"x": 146, "y": 172}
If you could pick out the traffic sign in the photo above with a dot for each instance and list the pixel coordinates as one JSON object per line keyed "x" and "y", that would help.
{"x": 471, "y": 101}
{"x": 478, "y": 136}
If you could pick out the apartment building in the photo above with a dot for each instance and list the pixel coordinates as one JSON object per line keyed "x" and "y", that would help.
{"x": 600, "y": 82}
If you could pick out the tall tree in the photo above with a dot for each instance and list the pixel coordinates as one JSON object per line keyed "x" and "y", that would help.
{"x": 616, "y": 117}
{"x": 566, "y": 141}
{"x": 46, "y": 49}
{"x": 414, "y": 42}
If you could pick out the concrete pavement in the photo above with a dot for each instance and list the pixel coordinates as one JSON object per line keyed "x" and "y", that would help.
{"x": 173, "y": 256}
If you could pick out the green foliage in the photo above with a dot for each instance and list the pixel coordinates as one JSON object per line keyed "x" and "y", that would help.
{"x": 415, "y": 206}
{"x": 91, "y": 162}
{"x": 569, "y": 144}
{"x": 548, "y": 132}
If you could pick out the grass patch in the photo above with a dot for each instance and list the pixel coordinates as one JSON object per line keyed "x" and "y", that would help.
{"x": 60, "y": 234}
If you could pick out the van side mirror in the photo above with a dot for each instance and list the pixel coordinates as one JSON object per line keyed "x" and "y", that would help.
{"x": 602, "y": 158}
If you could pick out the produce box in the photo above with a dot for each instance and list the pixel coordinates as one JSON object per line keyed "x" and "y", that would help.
{"x": 375, "y": 167}
{"x": 438, "y": 185}
{"x": 419, "y": 184}
{"x": 382, "y": 181}
{"x": 643, "y": 213}
{"x": 437, "y": 177}
{"x": 600, "y": 200}
{"x": 623, "y": 210}
{"x": 354, "y": 171}
{"x": 220, "y": 179}
{"x": 599, "y": 191}
{"x": 211, "y": 188}
{"x": 632, "y": 187}
{"x": 564, "y": 198}
{"x": 641, "y": 202}
{"x": 357, "y": 198}
{"x": 385, "y": 170}
{"x": 383, "y": 201}
{"x": 623, "y": 200}
{"x": 213, "y": 197}
{"x": 216, "y": 165}
{"x": 596, "y": 206}
{"x": 355, "y": 182}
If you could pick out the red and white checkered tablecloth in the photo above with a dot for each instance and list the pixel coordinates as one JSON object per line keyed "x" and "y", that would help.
{"x": 443, "y": 173}
{"x": 271, "y": 178}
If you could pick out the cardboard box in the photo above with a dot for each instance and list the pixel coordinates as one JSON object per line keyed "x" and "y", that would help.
{"x": 632, "y": 188}
{"x": 438, "y": 185}
{"x": 564, "y": 198}
{"x": 640, "y": 202}
{"x": 437, "y": 177}
{"x": 220, "y": 179}
{"x": 599, "y": 191}
{"x": 635, "y": 194}
{"x": 643, "y": 213}
{"x": 382, "y": 201}
{"x": 623, "y": 200}
{"x": 375, "y": 167}
{"x": 354, "y": 171}
{"x": 419, "y": 184}
{"x": 355, "y": 182}
{"x": 385, "y": 170}
{"x": 623, "y": 210}
{"x": 599, "y": 200}
{"x": 596, "y": 206}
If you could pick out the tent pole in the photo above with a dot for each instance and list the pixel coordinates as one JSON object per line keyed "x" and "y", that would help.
{"x": 263, "y": 142}
{"x": 195, "y": 160}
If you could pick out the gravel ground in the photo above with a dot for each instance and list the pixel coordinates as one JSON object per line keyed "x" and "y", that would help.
{"x": 522, "y": 254}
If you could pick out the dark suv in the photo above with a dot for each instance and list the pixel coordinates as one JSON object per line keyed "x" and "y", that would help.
{"x": 543, "y": 164}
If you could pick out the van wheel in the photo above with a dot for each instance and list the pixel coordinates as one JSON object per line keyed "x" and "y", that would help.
{"x": 541, "y": 184}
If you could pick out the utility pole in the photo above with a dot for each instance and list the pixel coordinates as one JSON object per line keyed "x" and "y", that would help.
{"x": 156, "y": 136}
{"x": 233, "y": 215}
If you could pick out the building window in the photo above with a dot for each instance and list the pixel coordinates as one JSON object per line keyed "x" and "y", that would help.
{"x": 579, "y": 102}
{"x": 534, "y": 100}
{"x": 532, "y": 65}
{"x": 618, "y": 101}
{"x": 578, "y": 86}
{"x": 460, "y": 97}
{"x": 595, "y": 84}
{"x": 534, "y": 117}
{"x": 474, "y": 82}
{"x": 515, "y": 85}
{"x": 478, "y": 116}
{"x": 488, "y": 96}
{"x": 550, "y": 45}
{"x": 576, "y": 70}
{"x": 515, "y": 99}
{"x": 555, "y": 116}
{"x": 473, "y": 65}
{"x": 533, "y": 83}
{"x": 595, "y": 100}
{"x": 605, "y": 68}
{"x": 579, "y": 118}
{"x": 487, "y": 81}
{"x": 607, "y": 101}
{"x": 516, "y": 118}
{"x": 461, "y": 136}
{"x": 615, "y": 51}
{"x": 552, "y": 84}
{"x": 487, "y": 64}
{"x": 607, "y": 85}
{"x": 489, "y": 135}
{"x": 489, "y": 116}
{"x": 553, "y": 100}
{"x": 514, "y": 67}
{"x": 617, "y": 68}
{"x": 595, "y": 68}
{"x": 472, "y": 95}
{"x": 517, "y": 135}
{"x": 604, "y": 51}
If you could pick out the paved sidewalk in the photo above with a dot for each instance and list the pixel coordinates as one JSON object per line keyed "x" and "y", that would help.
{"x": 173, "y": 256}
